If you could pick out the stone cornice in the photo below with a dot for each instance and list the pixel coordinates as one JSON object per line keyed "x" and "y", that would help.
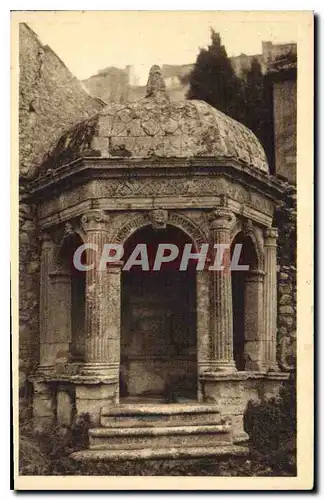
{"x": 85, "y": 169}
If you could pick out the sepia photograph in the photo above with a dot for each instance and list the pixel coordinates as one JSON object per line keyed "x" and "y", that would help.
{"x": 161, "y": 205}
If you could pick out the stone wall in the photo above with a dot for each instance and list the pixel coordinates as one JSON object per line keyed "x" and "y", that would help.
{"x": 285, "y": 128}
{"x": 109, "y": 84}
{"x": 28, "y": 294}
{"x": 51, "y": 100}
{"x": 286, "y": 221}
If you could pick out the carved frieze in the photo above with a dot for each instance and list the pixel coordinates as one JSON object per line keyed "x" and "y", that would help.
{"x": 198, "y": 187}
{"x": 119, "y": 191}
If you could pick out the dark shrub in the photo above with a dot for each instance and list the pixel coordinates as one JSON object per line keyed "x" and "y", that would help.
{"x": 271, "y": 426}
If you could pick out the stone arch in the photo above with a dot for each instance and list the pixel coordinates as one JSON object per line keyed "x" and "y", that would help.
{"x": 62, "y": 237}
{"x": 175, "y": 219}
{"x": 158, "y": 339}
{"x": 248, "y": 229}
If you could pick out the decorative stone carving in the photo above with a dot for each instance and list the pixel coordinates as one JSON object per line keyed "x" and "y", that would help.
{"x": 156, "y": 85}
{"x": 223, "y": 200}
{"x": 124, "y": 232}
{"x": 221, "y": 217}
{"x": 174, "y": 218}
{"x": 248, "y": 227}
{"x": 95, "y": 220}
{"x": 68, "y": 229}
{"x": 189, "y": 227}
{"x": 158, "y": 218}
{"x": 271, "y": 236}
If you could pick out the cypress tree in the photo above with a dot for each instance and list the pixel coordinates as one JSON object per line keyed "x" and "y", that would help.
{"x": 213, "y": 80}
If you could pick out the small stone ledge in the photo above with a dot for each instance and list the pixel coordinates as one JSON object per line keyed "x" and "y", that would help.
{"x": 160, "y": 431}
{"x": 220, "y": 376}
{"x": 73, "y": 379}
{"x": 159, "y": 453}
{"x": 159, "y": 409}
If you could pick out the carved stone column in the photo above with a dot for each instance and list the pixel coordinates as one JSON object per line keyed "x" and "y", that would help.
{"x": 270, "y": 298}
{"x": 221, "y": 294}
{"x": 100, "y": 358}
{"x": 203, "y": 329}
{"x": 46, "y": 359}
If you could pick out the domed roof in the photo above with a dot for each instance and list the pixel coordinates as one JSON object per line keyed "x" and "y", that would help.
{"x": 157, "y": 127}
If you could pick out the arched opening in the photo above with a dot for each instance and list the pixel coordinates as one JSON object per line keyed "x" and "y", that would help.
{"x": 246, "y": 305}
{"x": 77, "y": 295}
{"x": 158, "y": 323}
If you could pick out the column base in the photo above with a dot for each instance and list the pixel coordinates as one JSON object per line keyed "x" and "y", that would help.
{"x": 45, "y": 370}
{"x": 223, "y": 366}
{"x": 273, "y": 366}
{"x": 107, "y": 370}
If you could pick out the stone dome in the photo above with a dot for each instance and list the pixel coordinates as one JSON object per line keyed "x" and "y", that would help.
{"x": 157, "y": 127}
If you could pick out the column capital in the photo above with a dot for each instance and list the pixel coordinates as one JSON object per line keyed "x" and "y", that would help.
{"x": 221, "y": 218}
{"x": 255, "y": 275}
{"x": 59, "y": 277}
{"x": 95, "y": 220}
{"x": 270, "y": 236}
{"x": 45, "y": 239}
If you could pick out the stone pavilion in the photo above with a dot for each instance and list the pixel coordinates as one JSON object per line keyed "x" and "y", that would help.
{"x": 163, "y": 362}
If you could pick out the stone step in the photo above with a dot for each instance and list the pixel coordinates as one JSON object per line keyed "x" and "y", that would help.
{"x": 120, "y": 438}
{"x": 161, "y": 415}
{"x": 159, "y": 453}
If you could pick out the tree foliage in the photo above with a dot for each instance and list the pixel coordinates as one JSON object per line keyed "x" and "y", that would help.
{"x": 213, "y": 79}
{"x": 243, "y": 98}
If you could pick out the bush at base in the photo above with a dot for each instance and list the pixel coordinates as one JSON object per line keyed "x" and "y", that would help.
{"x": 271, "y": 426}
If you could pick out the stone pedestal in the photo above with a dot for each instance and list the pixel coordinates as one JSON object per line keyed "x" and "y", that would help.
{"x": 92, "y": 395}
{"x": 221, "y": 319}
{"x": 43, "y": 406}
{"x": 270, "y": 299}
{"x": 232, "y": 392}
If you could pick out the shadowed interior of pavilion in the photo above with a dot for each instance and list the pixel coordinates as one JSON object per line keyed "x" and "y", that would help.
{"x": 158, "y": 323}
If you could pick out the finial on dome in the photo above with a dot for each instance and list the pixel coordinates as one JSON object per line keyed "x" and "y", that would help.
{"x": 155, "y": 84}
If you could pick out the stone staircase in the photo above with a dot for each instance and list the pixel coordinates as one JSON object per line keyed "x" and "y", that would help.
{"x": 130, "y": 431}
